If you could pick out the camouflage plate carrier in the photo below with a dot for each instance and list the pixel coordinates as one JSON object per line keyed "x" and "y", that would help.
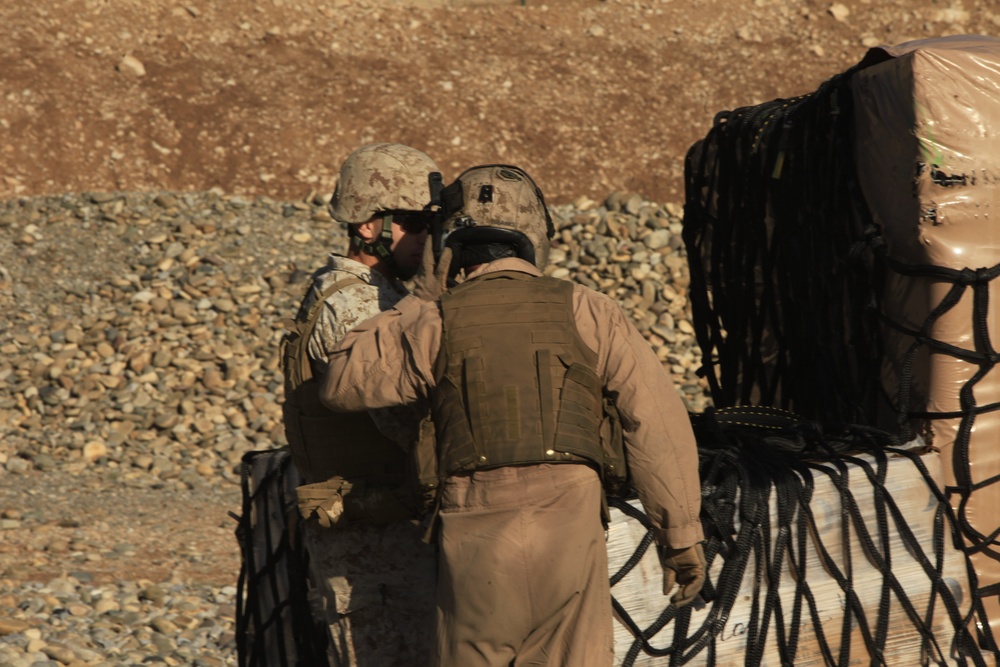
{"x": 338, "y": 454}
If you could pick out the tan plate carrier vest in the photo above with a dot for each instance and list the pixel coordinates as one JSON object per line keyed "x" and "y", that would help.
{"x": 515, "y": 382}
{"x": 324, "y": 443}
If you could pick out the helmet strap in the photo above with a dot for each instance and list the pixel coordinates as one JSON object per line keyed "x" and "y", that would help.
{"x": 380, "y": 246}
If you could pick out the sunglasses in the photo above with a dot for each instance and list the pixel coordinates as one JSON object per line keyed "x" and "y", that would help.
{"x": 412, "y": 222}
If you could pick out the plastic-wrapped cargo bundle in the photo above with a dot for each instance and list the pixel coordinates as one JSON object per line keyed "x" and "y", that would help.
{"x": 927, "y": 150}
{"x": 843, "y": 252}
{"x": 276, "y": 620}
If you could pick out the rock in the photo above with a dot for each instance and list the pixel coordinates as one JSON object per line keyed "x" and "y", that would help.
{"x": 17, "y": 465}
{"x": 94, "y": 450}
{"x": 163, "y": 625}
{"x": 632, "y": 204}
{"x": 131, "y": 65}
{"x": 658, "y": 239}
{"x": 10, "y": 626}
{"x": 106, "y": 605}
{"x": 839, "y": 12}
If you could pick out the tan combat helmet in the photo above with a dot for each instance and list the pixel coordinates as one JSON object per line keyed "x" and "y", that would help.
{"x": 494, "y": 211}
{"x": 383, "y": 178}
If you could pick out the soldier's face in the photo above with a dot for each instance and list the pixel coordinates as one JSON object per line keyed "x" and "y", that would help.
{"x": 408, "y": 238}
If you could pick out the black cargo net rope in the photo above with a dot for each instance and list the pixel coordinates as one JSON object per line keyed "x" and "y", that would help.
{"x": 740, "y": 465}
{"x": 983, "y": 356}
{"x": 786, "y": 269}
{"x": 275, "y": 626}
{"x": 774, "y": 295}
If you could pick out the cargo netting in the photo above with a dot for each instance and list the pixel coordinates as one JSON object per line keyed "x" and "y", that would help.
{"x": 752, "y": 461}
{"x": 787, "y": 268}
{"x": 275, "y": 622}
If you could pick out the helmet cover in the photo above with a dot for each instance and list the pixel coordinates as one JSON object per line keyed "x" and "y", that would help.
{"x": 380, "y": 178}
{"x": 487, "y": 199}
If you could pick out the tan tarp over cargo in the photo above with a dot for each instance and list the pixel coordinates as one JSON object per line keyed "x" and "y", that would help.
{"x": 927, "y": 150}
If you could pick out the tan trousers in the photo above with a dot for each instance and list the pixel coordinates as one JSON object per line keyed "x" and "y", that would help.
{"x": 523, "y": 571}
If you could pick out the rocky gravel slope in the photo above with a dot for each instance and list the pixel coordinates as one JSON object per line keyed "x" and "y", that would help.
{"x": 140, "y": 362}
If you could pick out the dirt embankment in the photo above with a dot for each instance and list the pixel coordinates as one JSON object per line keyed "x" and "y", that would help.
{"x": 269, "y": 97}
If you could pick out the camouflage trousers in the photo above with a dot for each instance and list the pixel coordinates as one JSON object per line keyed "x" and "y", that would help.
{"x": 375, "y": 586}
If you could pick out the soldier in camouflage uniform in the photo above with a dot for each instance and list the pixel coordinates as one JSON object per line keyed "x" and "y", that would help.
{"x": 374, "y": 574}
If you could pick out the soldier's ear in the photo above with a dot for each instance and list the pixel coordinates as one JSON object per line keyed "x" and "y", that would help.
{"x": 369, "y": 231}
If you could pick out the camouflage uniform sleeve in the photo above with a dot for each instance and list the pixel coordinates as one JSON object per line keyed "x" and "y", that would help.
{"x": 342, "y": 312}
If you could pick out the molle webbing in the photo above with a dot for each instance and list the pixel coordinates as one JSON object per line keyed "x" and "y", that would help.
{"x": 515, "y": 383}
{"x": 324, "y": 443}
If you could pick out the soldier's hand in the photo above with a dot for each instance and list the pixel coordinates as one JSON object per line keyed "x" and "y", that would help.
{"x": 685, "y": 567}
{"x": 432, "y": 278}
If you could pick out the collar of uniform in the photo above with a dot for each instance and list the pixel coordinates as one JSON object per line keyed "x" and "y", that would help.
{"x": 341, "y": 263}
{"x": 505, "y": 264}
{"x": 347, "y": 265}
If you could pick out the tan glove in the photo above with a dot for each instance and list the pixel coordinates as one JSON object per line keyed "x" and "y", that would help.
{"x": 337, "y": 502}
{"x": 324, "y": 500}
{"x": 685, "y": 567}
{"x": 432, "y": 278}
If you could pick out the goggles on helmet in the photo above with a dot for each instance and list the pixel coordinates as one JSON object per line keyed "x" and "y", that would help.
{"x": 411, "y": 222}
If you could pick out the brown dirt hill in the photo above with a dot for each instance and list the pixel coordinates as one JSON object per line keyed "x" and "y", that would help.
{"x": 268, "y": 97}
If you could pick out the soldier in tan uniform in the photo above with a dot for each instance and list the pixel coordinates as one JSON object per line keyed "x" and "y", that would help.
{"x": 374, "y": 575}
{"x": 515, "y": 366}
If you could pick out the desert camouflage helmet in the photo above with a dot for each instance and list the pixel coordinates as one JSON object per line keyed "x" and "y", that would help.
{"x": 383, "y": 177}
{"x": 498, "y": 204}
